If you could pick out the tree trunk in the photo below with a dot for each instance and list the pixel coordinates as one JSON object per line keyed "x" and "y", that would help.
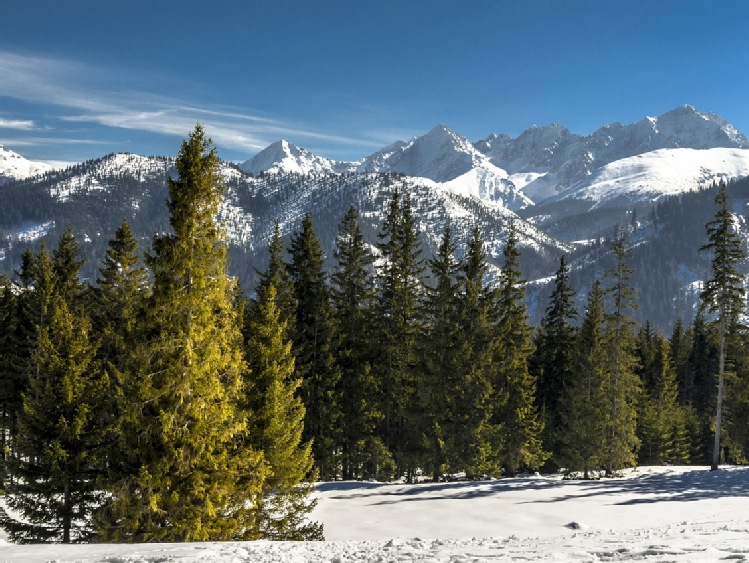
{"x": 719, "y": 408}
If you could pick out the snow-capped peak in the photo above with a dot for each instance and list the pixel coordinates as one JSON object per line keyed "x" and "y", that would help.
{"x": 440, "y": 155}
{"x": 285, "y": 157}
{"x": 15, "y": 167}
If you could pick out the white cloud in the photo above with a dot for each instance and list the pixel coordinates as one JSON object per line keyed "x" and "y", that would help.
{"x": 96, "y": 95}
{"x": 22, "y": 124}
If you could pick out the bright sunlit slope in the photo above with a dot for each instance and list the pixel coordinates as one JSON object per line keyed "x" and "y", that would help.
{"x": 648, "y": 176}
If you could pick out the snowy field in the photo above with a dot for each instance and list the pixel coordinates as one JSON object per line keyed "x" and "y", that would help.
{"x": 651, "y": 514}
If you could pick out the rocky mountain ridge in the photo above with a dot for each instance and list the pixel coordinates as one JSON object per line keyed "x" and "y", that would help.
{"x": 449, "y": 180}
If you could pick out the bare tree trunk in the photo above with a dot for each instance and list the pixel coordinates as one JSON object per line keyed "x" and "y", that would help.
{"x": 719, "y": 408}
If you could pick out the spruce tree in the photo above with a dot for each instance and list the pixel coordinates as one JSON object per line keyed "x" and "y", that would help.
{"x": 702, "y": 367}
{"x": 583, "y": 401}
{"x": 399, "y": 283}
{"x": 554, "y": 355}
{"x": 314, "y": 345}
{"x": 662, "y": 423}
{"x": 353, "y": 297}
{"x": 58, "y": 455}
{"x": 277, "y": 422}
{"x": 472, "y": 449}
{"x": 277, "y": 274}
{"x": 681, "y": 347}
{"x": 12, "y": 380}
{"x": 66, "y": 265}
{"x": 515, "y": 407}
{"x": 723, "y": 296}
{"x": 622, "y": 385}
{"x": 442, "y": 382}
{"x": 193, "y": 477}
{"x": 118, "y": 302}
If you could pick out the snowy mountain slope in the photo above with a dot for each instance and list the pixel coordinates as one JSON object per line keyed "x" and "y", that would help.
{"x": 649, "y": 176}
{"x": 557, "y": 159}
{"x": 441, "y": 155}
{"x": 15, "y": 167}
{"x": 447, "y": 158}
{"x": 95, "y": 196}
{"x": 539, "y": 164}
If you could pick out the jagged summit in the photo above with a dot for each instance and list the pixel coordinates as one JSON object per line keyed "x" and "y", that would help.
{"x": 440, "y": 155}
{"x": 547, "y": 160}
{"x": 285, "y": 157}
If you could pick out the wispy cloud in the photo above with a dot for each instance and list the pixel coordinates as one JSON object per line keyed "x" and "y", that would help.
{"x": 88, "y": 94}
{"x": 18, "y": 124}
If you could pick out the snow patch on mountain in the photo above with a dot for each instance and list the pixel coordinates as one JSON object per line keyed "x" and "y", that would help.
{"x": 105, "y": 172}
{"x": 649, "y": 176}
{"x": 489, "y": 183}
{"x": 15, "y": 167}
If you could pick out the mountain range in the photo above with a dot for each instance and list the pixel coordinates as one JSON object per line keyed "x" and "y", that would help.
{"x": 566, "y": 193}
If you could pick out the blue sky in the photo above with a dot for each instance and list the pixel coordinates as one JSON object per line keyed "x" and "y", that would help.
{"x": 342, "y": 78}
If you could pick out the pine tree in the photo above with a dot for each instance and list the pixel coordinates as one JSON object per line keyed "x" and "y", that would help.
{"x": 399, "y": 293}
{"x": 553, "y": 358}
{"x": 12, "y": 382}
{"x": 313, "y": 337}
{"x": 66, "y": 266}
{"x": 702, "y": 367}
{"x": 516, "y": 410}
{"x": 353, "y": 297}
{"x": 622, "y": 386}
{"x": 31, "y": 312}
{"x": 681, "y": 347}
{"x": 472, "y": 449}
{"x": 723, "y": 295}
{"x": 58, "y": 454}
{"x": 277, "y": 423}
{"x": 277, "y": 274}
{"x": 443, "y": 380}
{"x": 662, "y": 423}
{"x": 118, "y": 303}
{"x": 192, "y": 477}
{"x": 584, "y": 404}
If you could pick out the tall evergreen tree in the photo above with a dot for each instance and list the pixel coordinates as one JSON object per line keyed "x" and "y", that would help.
{"x": 553, "y": 359}
{"x": 723, "y": 295}
{"x": 443, "y": 379}
{"x": 313, "y": 337}
{"x": 622, "y": 386}
{"x": 515, "y": 407}
{"x": 472, "y": 449}
{"x": 12, "y": 380}
{"x": 353, "y": 297}
{"x": 189, "y": 478}
{"x": 400, "y": 290}
{"x": 118, "y": 301}
{"x": 277, "y": 423}
{"x": 58, "y": 454}
{"x": 584, "y": 403}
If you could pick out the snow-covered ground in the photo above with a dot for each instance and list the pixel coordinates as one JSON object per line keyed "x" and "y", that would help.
{"x": 652, "y": 514}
